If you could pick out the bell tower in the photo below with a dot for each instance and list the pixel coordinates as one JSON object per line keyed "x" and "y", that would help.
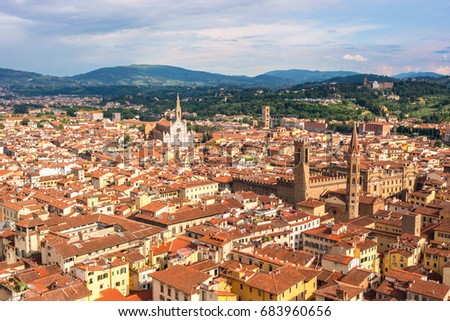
{"x": 178, "y": 109}
{"x": 301, "y": 170}
{"x": 353, "y": 173}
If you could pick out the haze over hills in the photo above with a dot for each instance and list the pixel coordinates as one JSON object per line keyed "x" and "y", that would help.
{"x": 169, "y": 75}
{"x": 407, "y": 75}
{"x": 298, "y": 76}
{"x": 163, "y": 75}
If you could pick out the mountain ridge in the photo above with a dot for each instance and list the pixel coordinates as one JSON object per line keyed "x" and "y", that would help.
{"x": 165, "y": 75}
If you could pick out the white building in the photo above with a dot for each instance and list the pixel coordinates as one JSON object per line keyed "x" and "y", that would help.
{"x": 178, "y": 134}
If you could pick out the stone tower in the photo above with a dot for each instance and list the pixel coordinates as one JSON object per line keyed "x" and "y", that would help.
{"x": 301, "y": 170}
{"x": 266, "y": 117}
{"x": 353, "y": 172}
{"x": 178, "y": 109}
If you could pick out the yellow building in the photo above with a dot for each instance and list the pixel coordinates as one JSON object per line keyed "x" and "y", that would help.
{"x": 423, "y": 197}
{"x": 284, "y": 284}
{"x": 398, "y": 259}
{"x": 160, "y": 254}
{"x": 436, "y": 259}
{"x": 442, "y": 233}
{"x": 366, "y": 251}
{"x": 100, "y": 274}
{"x": 218, "y": 291}
{"x": 139, "y": 270}
{"x": 362, "y": 248}
{"x": 198, "y": 189}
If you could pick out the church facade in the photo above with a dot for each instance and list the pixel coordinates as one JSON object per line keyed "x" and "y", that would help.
{"x": 174, "y": 134}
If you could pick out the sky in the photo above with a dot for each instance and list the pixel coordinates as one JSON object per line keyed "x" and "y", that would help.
{"x": 233, "y": 37}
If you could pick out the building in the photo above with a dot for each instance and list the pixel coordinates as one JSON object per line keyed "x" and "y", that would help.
{"x": 420, "y": 290}
{"x": 116, "y": 117}
{"x": 103, "y": 273}
{"x": 284, "y": 284}
{"x": 178, "y": 135}
{"x": 89, "y": 115}
{"x": 379, "y": 129}
{"x": 340, "y": 292}
{"x": 179, "y": 283}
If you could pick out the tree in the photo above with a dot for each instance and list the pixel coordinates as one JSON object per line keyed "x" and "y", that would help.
{"x": 126, "y": 139}
{"x": 21, "y": 109}
{"x": 60, "y": 126}
{"x": 206, "y": 136}
{"x": 25, "y": 122}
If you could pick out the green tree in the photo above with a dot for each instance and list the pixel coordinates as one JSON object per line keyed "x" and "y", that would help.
{"x": 25, "y": 122}
{"x": 21, "y": 109}
{"x": 206, "y": 136}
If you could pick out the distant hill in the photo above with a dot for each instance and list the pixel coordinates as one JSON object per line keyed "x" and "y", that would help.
{"x": 407, "y": 75}
{"x": 299, "y": 76}
{"x": 359, "y": 78}
{"x": 10, "y": 77}
{"x": 161, "y": 75}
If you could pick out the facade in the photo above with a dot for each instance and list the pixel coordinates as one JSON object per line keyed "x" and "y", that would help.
{"x": 386, "y": 178}
{"x": 284, "y": 284}
{"x": 178, "y": 134}
{"x": 379, "y": 129}
{"x": 89, "y": 115}
{"x": 179, "y": 283}
{"x": 101, "y": 274}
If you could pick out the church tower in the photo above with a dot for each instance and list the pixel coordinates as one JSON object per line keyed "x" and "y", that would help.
{"x": 178, "y": 109}
{"x": 301, "y": 170}
{"x": 353, "y": 172}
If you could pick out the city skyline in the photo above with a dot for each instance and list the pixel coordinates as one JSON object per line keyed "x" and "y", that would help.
{"x": 382, "y": 37}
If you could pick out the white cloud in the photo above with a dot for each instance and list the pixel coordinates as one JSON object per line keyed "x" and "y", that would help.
{"x": 443, "y": 70}
{"x": 386, "y": 70}
{"x": 357, "y": 58}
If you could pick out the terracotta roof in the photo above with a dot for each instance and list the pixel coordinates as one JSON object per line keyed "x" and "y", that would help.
{"x": 339, "y": 292}
{"x": 430, "y": 289}
{"x": 182, "y": 278}
{"x": 277, "y": 281}
{"x": 73, "y": 292}
{"x": 356, "y": 277}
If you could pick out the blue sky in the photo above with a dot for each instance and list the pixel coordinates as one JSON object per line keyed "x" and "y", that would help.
{"x": 234, "y": 37}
